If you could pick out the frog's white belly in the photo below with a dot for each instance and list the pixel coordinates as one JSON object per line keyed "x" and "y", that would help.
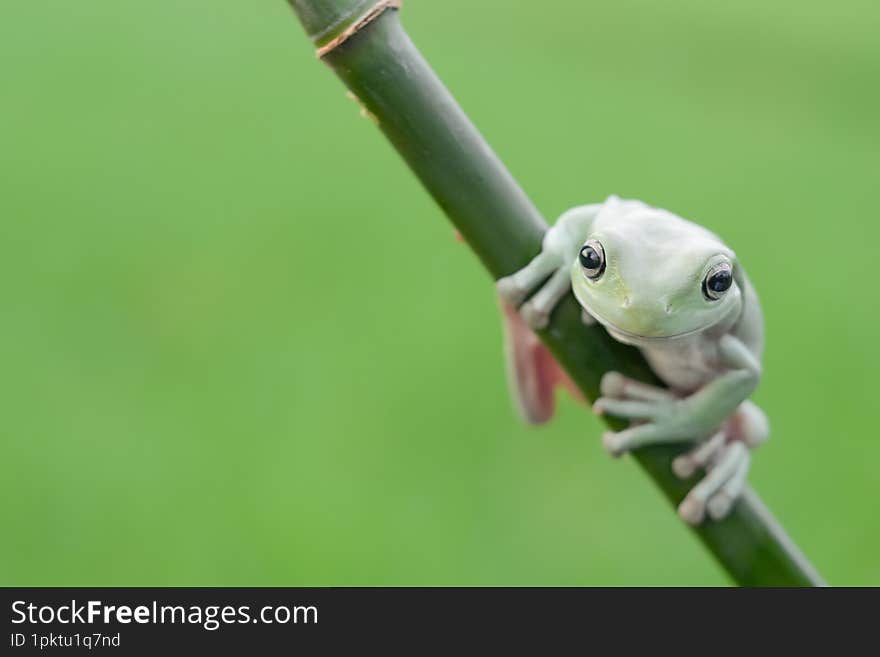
{"x": 683, "y": 365}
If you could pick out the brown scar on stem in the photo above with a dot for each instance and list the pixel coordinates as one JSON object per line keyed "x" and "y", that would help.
{"x": 367, "y": 114}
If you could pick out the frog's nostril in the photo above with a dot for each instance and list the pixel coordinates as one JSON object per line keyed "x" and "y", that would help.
{"x": 668, "y": 308}
{"x": 626, "y": 302}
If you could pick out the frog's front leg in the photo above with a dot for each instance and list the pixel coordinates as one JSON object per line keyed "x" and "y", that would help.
{"x": 559, "y": 250}
{"x": 661, "y": 417}
{"x": 667, "y": 418}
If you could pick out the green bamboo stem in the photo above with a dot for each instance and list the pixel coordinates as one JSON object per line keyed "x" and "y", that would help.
{"x": 379, "y": 64}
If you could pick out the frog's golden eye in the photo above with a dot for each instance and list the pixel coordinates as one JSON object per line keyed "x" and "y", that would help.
{"x": 592, "y": 259}
{"x": 718, "y": 281}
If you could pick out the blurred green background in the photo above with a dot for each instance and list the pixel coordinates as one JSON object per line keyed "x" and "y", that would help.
{"x": 241, "y": 346}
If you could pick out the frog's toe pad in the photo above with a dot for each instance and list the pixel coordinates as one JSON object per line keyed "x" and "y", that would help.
{"x": 719, "y": 506}
{"x": 684, "y": 466}
{"x": 692, "y": 510}
{"x": 535, "y": 317}
{"x": 509, "y": 291}
{"x": 613, "y": 443}
{"x": 613, "y": 384}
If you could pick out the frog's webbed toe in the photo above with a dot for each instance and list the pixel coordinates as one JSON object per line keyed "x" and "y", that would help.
{"x": 700, "y": 456}
{"x": 721, "y": 486}
{"x": 633, "y": 400}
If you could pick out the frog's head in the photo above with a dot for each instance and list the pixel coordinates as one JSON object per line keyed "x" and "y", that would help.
{"x": 647, "y": 274}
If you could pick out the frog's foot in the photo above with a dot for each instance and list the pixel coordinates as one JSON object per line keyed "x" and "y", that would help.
{"x": 728, "y": 465}
{"x": 720, "y": 488}
{"x": 748, "y": 424}
{"x": 516, "y": 287}
{"x": 658, "y": 416}
{"x": 644, "y": 404}
{"x": 727, "y": 458}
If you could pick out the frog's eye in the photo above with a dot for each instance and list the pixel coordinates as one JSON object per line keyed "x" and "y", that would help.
{"x": 718, "y": 281}
{"x": 592, "y": 258}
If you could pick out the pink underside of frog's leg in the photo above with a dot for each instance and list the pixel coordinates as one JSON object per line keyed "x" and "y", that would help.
{"x": 748, "y": 424}
{"x": 532, "y": 371}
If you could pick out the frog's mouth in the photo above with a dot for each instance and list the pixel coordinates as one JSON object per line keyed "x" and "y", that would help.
{"x": 622, "y": 335}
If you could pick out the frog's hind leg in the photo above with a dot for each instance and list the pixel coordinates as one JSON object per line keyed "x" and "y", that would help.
{"x": 748, "y": 424}
{"x": 720, "y": 487}
{"x": 726, "y": 456}
{"x": 720, "y": 503}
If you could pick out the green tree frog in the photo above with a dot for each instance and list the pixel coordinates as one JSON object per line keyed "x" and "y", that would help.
{"x": 675, "y": 291}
